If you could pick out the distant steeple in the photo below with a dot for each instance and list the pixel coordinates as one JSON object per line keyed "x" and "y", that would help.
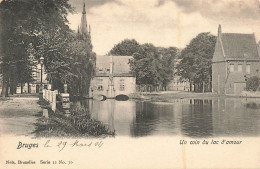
{"x": 83, "y": 25}
{"x": 84, "y": 9}
{"x": 219, "y": 31}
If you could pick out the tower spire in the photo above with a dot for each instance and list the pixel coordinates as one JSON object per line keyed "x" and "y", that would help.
{"x": 219, "y": 31}
{"x": 84, "y": 9}
{"x": 83, "y": 24}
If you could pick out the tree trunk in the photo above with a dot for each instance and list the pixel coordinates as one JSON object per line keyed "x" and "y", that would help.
{"x": 7, "y": 88}
{"x": 210, "y": 85}
{"x": 28, "y": 86}
{"x": 4, "y": 87}
{"x": 203, "y": 87}
{"x": 11, "y": 88}
{"x": 190, "y": 85}
{"x": 15, "y": 88}
{"x": 80, "y": 88}
{"x": 21, "y": 88}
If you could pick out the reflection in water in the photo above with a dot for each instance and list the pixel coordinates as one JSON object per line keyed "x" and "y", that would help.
{"x": 152, "y": 118}
{"x": 117, "y": 115}
{"x": 233, "y": 117}
{"x": 187, "y": 117}
{"x": 196, "y": 118}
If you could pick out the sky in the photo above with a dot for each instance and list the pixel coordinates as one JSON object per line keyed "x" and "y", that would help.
{"x": 163, "y": 22}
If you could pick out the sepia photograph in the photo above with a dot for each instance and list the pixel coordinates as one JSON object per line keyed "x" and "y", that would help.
{"x": 129, "y": 84}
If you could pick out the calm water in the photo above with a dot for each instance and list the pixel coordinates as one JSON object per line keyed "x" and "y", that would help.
{"x": 186, "y": 117}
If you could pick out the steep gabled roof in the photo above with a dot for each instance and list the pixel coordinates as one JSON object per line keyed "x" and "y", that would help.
{"x": 236, "y": 77}
{"x": 121, "y": 66}
{"x": 239, "y": 46}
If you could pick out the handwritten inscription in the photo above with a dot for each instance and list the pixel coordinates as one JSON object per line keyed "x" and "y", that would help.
{"x": 61, "y": 145}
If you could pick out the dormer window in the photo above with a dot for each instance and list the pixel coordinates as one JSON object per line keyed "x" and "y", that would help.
{"x": 248, "y": 69}
{"x": 232, "y": 68}
{"x": 239, "y": 67}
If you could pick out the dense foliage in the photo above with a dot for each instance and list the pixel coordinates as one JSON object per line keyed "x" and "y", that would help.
{"x": 154, "y": 66}
{"x": 168, "y": 63}
{"x": 40, "y": 28}
{"x": 195, "y": 63}
{"x": 83, "y": 65}
{"x": 252, "y": 83}
{"x": 81, "y": 119}
{"x": 125, "y": 48}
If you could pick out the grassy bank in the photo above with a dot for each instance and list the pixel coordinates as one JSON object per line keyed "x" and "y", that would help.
{"x": 78, "y": 124}
{"x": 167, "y": 95}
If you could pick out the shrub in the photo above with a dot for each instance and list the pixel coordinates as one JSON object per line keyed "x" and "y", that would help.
{"x": 78, "y": 124}
{"x": 81, "y": 118}
{"x": 252, "y": 83}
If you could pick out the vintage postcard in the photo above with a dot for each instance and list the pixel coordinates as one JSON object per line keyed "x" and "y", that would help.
{"x": 129, "y": 84}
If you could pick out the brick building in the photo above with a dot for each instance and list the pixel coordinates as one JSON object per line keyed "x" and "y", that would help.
{"x": 236, "y": 58}
{"x": 113, "y": 77}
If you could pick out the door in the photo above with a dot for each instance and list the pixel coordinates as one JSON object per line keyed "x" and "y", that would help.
{"x": 29, "y": 89}
{"x": 37, "y": 88}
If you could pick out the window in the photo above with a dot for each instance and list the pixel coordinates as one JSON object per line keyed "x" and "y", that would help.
{"x": 100, "y": 69}
{"x": 99, "y": 84}
{"x": 239, "y": 68}
{"x": 231, "y": 67}
{"x": 248, "y": 68}
{"x": 38, "y": 75}
{"x": 122, "y": 85}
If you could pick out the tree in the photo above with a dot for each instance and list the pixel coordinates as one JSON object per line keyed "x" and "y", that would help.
{"x": 67, "y": 57}
{"x": 146, "y": 65}
{"x": 33, "y": 22}
{"x": 252, "y": 83}
{"x": 168, "y": 57}
{"x": 83, "y": 65}
{"x": 195, "y": 64}
{"x": 125, "y": 48}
